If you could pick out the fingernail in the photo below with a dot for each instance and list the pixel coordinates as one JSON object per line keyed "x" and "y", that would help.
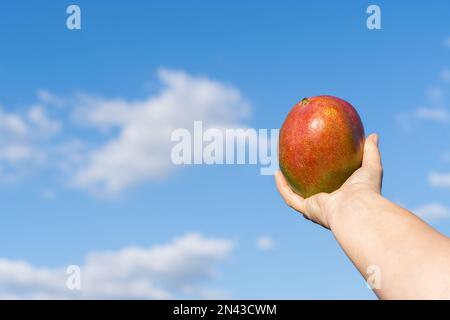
{"x": 375, "y": 139}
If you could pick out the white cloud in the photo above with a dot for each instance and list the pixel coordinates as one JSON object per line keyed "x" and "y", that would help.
{"x": 177, "y": 269}
{"x": 12, "y": 125}
{"x": 436, "y": 111}
{"x": 437, "y": 114}
{"x": 108, "y": 145}
{"x": 49, "y": 98}
{"x": 439, "y": 179}
{"x": 141, "y": 149}
{"x": 265, "y": 243}
{"x": 407, "y": 120}
{"x": 45, "y": 125}
{"x": 432, "y": 211}
{"x": 15, "y": 153}
{"x": 19, "y": 144}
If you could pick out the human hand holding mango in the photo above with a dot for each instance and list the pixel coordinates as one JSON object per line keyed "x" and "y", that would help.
{"x": 413, "y": 258}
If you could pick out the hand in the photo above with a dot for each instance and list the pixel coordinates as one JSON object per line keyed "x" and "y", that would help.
{"x": 322, "y": 207}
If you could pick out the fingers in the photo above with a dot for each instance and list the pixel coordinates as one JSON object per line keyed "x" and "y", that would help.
{"x": 311, "y": 208}
{"x": 372, "y": 157}
{"x": 315, "y": 210}
{"x": 292, "y": 199}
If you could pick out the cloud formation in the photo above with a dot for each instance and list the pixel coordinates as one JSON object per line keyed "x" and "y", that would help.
{"x": 265, "y": 243}
{"x": 23, "y": 139}
{"x": 436, "y": 110}
{"x": 141, "y": 149}
{"x": 177, "y": 269}
{"x": 438, "y": 114}
{"x": 132, "y": 143}
{"x": 439, "y": 179}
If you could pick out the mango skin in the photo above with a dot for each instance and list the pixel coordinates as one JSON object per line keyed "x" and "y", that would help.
{"x": 321, "y": 144}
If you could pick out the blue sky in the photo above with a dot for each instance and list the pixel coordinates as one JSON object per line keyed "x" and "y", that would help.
{"x": 69, "y": 98}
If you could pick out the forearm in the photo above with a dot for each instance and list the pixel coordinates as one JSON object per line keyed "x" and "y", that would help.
{"x": 414, "y": 259}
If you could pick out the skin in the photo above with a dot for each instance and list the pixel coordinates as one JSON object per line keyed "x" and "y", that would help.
{"x": 321, "y": 144}
{"x": 413, "y": 258}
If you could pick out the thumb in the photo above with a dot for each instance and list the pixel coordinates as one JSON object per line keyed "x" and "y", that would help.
{"x": 372, "y": 168}
{"x": 371, "y": 157}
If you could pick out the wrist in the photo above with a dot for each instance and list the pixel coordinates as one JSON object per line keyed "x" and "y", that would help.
{"x": 346, "y": 205}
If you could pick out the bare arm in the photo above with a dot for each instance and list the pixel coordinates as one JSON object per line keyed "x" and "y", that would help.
{"x": 413, "y": 258}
